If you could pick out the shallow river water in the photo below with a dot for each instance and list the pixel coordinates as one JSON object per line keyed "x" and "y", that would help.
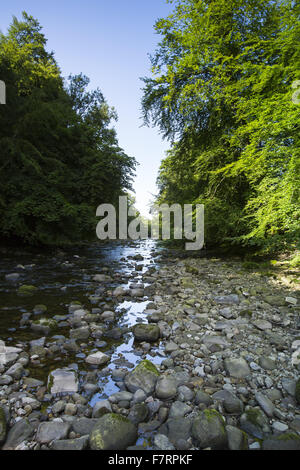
{"x": 67, "y": 277}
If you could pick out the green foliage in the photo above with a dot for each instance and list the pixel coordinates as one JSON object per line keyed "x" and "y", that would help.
{"x": 222, "y": 92}
{"x": 60, "y": 158}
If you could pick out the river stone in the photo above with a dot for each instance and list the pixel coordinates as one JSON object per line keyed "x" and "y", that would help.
{"x": 52, "y": 430}
{"x": 113, "y": 432}
{"x": 231, "y": 403}
{"x": 171, "y": 347}
{"x": 149, "y": 333}
{"x": 237, "y": 367}
{"x": 208, "y": 430}
{"x": 120, "y": 396}
{"x": 267, "y": 363}
{"x": 101, "y": 408}
{"x": 27, "y": 291}
{"x": 12, "y": 277}
{"x": 63, "y": 381}
{"x": 177, "y": 428}
{"x": 84, "y": 426}
{"x": 286, "y": 441}
{"x": 138, "y": 413}
{"x": 80, "y": 333}
{"x": 262, "y": 325}
{"x": 98, "y": 359}
{"x": 231, "y": 299}
{"x": 161, "y": 442}
{"x": 71, "y": 444}
{"x": 120, "y": 291}
{"x": 166, "y": 388}
{"x": 253, "y": 421}
{"x": 143, "y": 377}
{"x": 179, "y": 409}
{"x": 8, "y": 355}
{"x": 19, "y": 433}
{"x": 237, "y": 439}
{"x": 265, "y": 404}
{"x": 202, "y": 397}
{"x": 16, "y": 371}
{"x": 2, "y": 425}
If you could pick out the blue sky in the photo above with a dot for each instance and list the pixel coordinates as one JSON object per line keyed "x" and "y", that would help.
{"x": 109, "y": 41}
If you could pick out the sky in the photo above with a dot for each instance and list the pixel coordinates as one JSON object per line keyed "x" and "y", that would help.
{"x": 109, "y": 41}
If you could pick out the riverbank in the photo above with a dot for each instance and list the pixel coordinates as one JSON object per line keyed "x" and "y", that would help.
{"x": 123, "y": 347}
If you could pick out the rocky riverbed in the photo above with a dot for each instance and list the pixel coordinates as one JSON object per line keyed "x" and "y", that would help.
{"x": 127, "y": 348}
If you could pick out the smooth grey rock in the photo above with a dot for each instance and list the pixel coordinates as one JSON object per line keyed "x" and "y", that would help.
{"x": 63, "y": 381}
{"x": 83, "y": 426}
{"x": 120, "y": 396}
{"x": 237, "y": 367}
{"x": 286, "y": 441}
{"x": 202, "y": 397}
{"x": 19, "y": 433}
{"x": 178, "y": 428}
{"x": 179, "y": 409}
{"x": 231, "y": 403}
{"x": 161, "y": 442}
{"x": 267, "y": 363}
{"x": 101, "y": 408}
{"x": 98, "y": 359}
{"x": 237, "y": 439}
{"x": 52, "y": 430}
{"x": 166, "y": 388}
{"x": 231, "y": 299}
{"x": 185, "y": 393}
{"x": 138, "y": 413}
{"x": 80, "y": 443}
{"x": 265, "y": 404}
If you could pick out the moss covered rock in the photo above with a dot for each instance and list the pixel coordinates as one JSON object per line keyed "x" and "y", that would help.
{"x": 208, "y": 430}
{"x": 149, "y": 333}
{"x": 143, "y": 377}
{"x": 27, "y": 291}
{"x": 113, "y": 432}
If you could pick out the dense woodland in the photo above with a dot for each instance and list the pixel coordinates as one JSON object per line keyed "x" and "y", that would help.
{"x": 221, "y": 91}
{"x": 59, "y": 154}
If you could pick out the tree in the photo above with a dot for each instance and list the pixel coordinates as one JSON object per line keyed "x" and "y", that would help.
{"x": 59, "y": 157}
{"x": 221, "y": 91}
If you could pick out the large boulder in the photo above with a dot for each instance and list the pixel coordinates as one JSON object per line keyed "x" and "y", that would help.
{"x": 113, "y": 432}
{"x": 143, "y": 332}
{"x": 143, "y": 377}
{"x": 208, "y": 430}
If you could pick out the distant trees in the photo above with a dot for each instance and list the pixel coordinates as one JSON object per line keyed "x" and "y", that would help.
{"x": 59, "y": 157}
{"x": 221, "y": 91}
